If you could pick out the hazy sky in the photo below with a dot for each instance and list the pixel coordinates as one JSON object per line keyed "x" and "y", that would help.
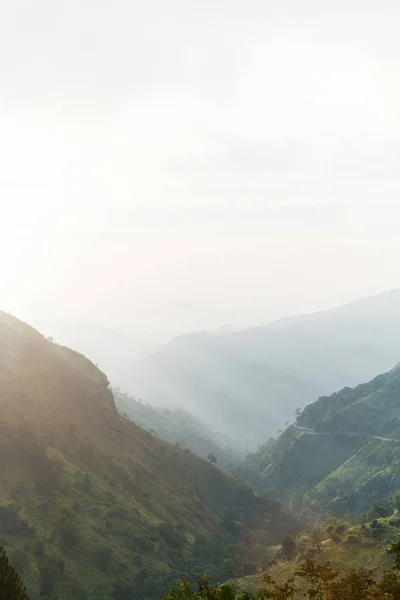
{"x": 194, "y": 163}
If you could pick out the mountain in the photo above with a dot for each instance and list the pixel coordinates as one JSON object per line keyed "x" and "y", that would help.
{"x": 92, "y": 505}
{"x": 223, "y": 385}
{"x": 112, "y": 350}
{"x": 179, "y": 426}
{"x": 343, "y": 453}
{"x": 250, "y": 382}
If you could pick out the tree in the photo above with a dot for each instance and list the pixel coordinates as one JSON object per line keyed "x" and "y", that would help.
{"x": 394, "y": 551}
{"x": 212, "y": 459}
{"x": 11, "y": 587}
{"x": 298, "y": 412}
{"x": 288, "y": 546}
{"x": 317, "y": 582}
{"x": 379, "y": 509}
{"x": 204, "y": 591}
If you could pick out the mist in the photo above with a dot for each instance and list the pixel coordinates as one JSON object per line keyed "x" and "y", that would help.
{"x": 196, "y": 166}
{"x": 199, "y": 299}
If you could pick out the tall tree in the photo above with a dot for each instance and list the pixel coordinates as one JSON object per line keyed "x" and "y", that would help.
{"x": 11, "y": 587}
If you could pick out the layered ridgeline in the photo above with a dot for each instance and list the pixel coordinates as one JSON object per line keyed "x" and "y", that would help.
{"x": 224, "y": 384}
{"x": 343, "y": 453}
{"x": 92, "y": 506}
{"x": 181, "y": 427}
{"x": 249, "y": 383}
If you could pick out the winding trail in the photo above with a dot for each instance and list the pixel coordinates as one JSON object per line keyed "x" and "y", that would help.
{"x": 361, "y": 435}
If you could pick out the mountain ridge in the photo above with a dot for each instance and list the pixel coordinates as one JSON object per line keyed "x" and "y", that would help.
{"x": 275, "y": 369}
{"x": 93, "y": 506}
{"x": 343, "y": 452}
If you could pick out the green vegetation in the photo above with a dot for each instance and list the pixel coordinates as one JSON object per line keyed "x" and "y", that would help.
{"x": 342, "y": 543}
{"x": 212, "y": 459}
{"x": 311, "y": 581}
{"x": 11, "y": 587}
{"x": 179, "y": 426}
{"x": 341, "y": 456}
{"x": 93, "y": 507}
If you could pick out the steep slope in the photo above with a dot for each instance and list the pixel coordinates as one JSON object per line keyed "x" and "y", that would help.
{"x": 179, "y": 426}
{"x": 342, "y": 454}
{"x": 251, "y": 382}
{"x": 93, "y": 506}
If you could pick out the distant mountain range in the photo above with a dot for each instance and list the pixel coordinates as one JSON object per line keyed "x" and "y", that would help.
{"x": 248, "y": 384}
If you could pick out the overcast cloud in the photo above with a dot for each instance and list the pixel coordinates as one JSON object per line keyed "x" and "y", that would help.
{"x": 184, "y": 164}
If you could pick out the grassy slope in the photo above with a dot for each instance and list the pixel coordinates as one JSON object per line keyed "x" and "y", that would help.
{"x": 94, "y": 507}
{"x": 336, "y": 471}
{"x": 354, "y": 546}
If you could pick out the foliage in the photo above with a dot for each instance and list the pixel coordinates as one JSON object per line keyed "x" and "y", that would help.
{"x": 179, "y": 426}
{"x": 342, "y": 455}
{"x": 93, "y": 506}
{"x": 311, "y": 581}
{"x": 11, "y": 587}
{"x": 203, "y": 592}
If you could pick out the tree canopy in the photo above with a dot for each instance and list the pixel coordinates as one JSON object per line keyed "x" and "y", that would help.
{"x": 11, "y": 587}
{"x": 312, "y": 581}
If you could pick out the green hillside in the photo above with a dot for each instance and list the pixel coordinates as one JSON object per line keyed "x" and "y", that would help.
{"x": 342, "y": 454}
{"x": 342, "y": 544}
{"x": 179, "y": 426}
{"x": 94, "y": 507}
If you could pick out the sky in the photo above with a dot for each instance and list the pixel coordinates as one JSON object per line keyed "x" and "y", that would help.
{"x": 197, "y": 164}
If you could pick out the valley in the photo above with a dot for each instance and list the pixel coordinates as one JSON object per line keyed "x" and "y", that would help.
{"x": 94, "y": 506}
{"x": 343, "y": 452}
{"x": 199, "y": 300}
{"x": 105, "y": 496}
{"x": 248, "y": 384}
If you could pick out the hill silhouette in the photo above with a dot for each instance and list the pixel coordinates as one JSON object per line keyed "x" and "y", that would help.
{"x": 92, "y": 505}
